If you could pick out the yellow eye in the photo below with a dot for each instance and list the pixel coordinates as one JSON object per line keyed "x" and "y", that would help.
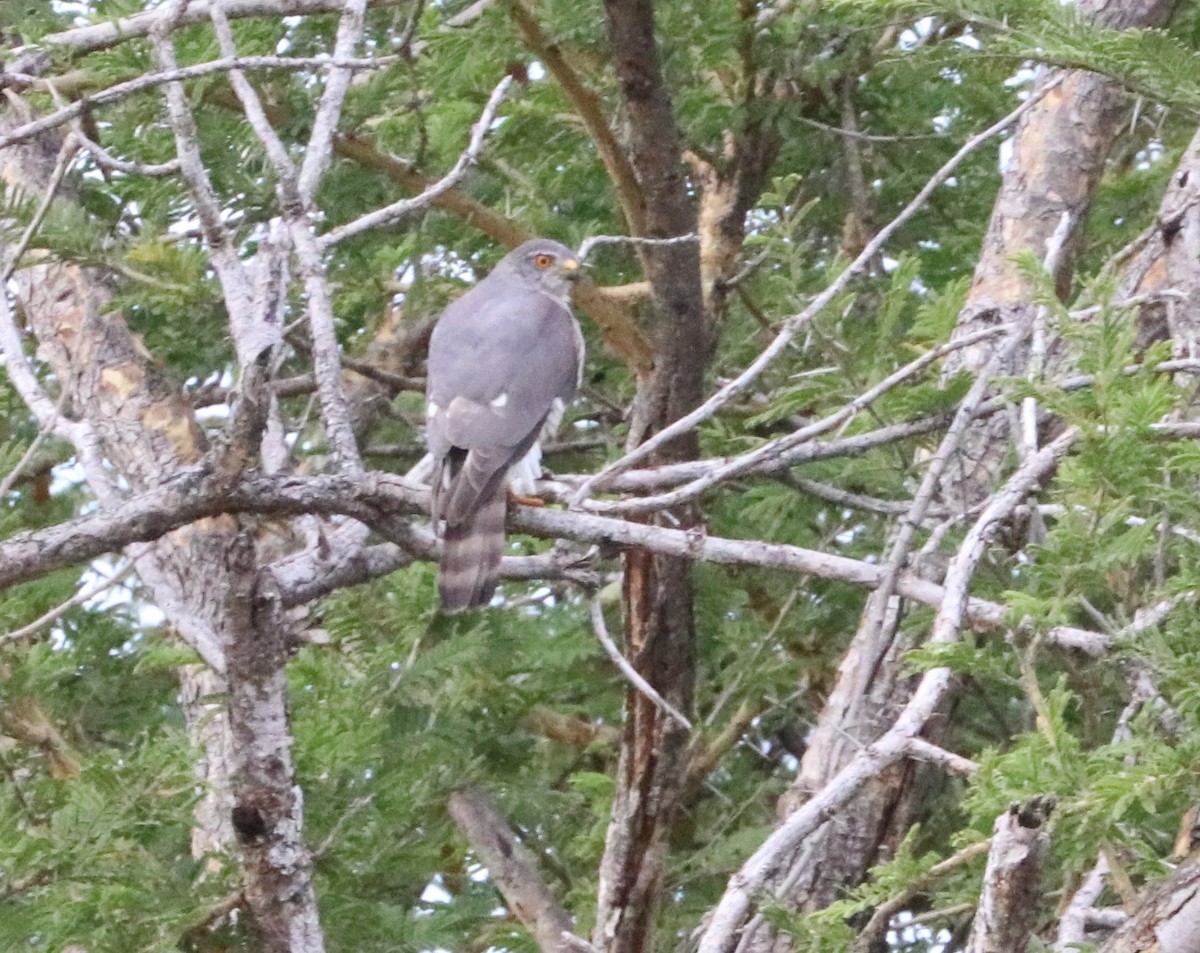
{"x": 544, "y": 261}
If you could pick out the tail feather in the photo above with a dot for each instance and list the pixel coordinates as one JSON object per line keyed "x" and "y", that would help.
{"x": 471, "y": 552}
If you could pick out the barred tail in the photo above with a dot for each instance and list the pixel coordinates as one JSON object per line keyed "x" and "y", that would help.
{"x": 471, "y": 555}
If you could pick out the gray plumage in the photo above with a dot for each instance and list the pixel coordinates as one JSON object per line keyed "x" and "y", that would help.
{"x": 503, "y": 361}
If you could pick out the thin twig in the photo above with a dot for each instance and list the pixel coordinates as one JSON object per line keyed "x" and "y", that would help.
{"x": 774, "y": 449}
{"x": 12, "y": 476}
{"x": 84, "y": 595}
{"x": 397, "y": 210}
{"x": 175, "y": 74}
{"x": 882, "y": 915}
{"x": 630, "y": 673}
{"x": 588, "y": 244}
{"x": 106, "y": 160}
{"x": 63, "y": 162}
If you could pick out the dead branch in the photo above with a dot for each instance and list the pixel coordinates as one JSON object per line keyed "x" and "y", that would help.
{"x": 772, "y": 451}
{"x": 397, "y": 210}
{"x": 329, "y": 109}
{"x": 630, "y": 673}
{"x": 380, "y": 499}
{"x": 513, "y": 868}
{"x": 53, "y": 615}
{"x": 99, "y": 36}
{"x": 173, "y": 74}
{"x": 1008, "y": 908}
{"x": 921, "y": 750}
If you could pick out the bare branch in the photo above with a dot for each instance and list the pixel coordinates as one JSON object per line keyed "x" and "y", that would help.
{"x": 397, "y": 210}
{"x": 25, "y": 381}
{"x": 921, "y": 750}
{"x": 630, "y": 673}
{"x": 106, "y": 160}
{"x": 594, "y": 241}
{"x": 773, "y": 450}
{"x": 590, "y": 110}
{"x": 380, "y": 499}
{"x": 513, "y": 868}
{"x": 329, "y": 110}
{"x": 183, "y": 125}
{"x": 99, "y": 36}
{"x": 176, "y": 74}
{"x": 84, "y": 595}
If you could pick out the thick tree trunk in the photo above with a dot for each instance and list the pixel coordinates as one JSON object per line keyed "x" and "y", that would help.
{"x": 204, "y": 576}
{"x": 1058, "y": 156}
{"x": 1167, "y": 263}
{"x": 660, "y": 629}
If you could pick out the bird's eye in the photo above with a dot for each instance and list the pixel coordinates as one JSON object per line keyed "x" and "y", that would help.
{"x": 544, "y": 261}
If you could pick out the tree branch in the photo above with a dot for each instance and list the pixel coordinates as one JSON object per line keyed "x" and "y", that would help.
{"x": 173, "y": 74}
{"x": 397, "y": 210}
{"x": 1008, "y": 909}
{"x": 380, "y": 499}
{"x": 513, "y": 868}
{"x": 99, "y": 36}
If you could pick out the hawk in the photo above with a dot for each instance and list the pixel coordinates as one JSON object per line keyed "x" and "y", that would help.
{"x": 504, "y": 360}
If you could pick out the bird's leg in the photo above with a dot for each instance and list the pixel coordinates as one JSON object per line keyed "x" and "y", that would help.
{"x": 514, "y": 497}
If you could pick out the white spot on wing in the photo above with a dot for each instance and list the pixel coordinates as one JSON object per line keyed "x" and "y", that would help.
{"x": 499, "y": 401}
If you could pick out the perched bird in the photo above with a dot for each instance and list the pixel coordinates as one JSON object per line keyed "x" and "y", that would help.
{"x": 504, "y": 360}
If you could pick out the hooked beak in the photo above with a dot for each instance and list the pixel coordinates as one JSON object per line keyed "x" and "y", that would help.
{"x": 571, "y": 270}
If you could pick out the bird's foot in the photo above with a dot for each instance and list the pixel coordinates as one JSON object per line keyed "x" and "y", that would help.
{"x": 525, "y": 500}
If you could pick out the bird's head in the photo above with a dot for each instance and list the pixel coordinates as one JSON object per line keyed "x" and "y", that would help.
{"x": 542, "y": 263}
